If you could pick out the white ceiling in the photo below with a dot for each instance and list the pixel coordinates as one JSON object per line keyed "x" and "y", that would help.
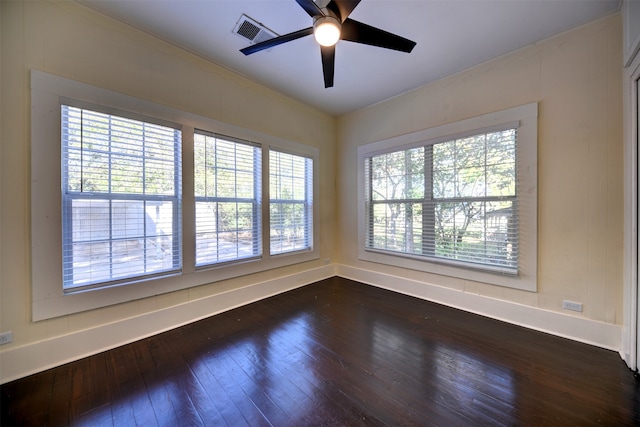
{"x": 451, "y": 35}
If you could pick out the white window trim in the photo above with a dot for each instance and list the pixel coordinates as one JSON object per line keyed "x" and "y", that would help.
{"x": 310, "y": 238}
{"x": 258, "y": 199}
{"x": 48, "y": 298}
{"x": 526, "y": 158}
{"x": 71, "y": 195}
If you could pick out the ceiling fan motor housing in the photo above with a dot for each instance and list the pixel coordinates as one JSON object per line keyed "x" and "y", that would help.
{"x": 326, "y": 29}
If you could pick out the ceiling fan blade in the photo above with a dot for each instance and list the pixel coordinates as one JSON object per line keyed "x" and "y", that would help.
{"x": 328, "y": 62}
{"x": 342, "y": 8}
{"x": 276, "y": 41}
{"x": 358, "y": 32}
{"x": 310, "y": 7}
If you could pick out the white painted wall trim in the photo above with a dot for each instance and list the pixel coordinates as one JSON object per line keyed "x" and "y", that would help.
{"x": 629, "y": 350}
{"x": 28, "y": 359}
{"x": 600, "y": 334}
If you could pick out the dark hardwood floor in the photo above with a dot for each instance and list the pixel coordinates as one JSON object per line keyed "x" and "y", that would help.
{"x": 335, "y": 353}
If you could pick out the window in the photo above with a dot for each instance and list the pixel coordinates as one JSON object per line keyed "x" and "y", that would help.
{"x": 452, "y": 200}
{"x": 457, "y": 200}
{"x": 120, "y": 198}
{"x": 291, "y": 202}
{"x": 227, "y": 195}
{"x": 131, "y": 199}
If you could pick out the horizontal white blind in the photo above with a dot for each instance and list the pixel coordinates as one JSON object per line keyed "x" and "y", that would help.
{"x": 121, "y": 196}
{"x": 227, "y": 186}
{"x": 291, "y": 202}
{"x": 454, "y": 200}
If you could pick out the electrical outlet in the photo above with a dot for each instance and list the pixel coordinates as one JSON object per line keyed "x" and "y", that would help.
{"x": 6, "y": 337}
{"x": 570, "y": 305}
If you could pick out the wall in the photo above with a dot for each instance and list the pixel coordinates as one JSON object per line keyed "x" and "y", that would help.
{"x": 577, "y": 78}
{"x": 72, "y": 41}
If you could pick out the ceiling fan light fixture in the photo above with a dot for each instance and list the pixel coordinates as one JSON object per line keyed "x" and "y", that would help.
{"x": 326, "y": 30}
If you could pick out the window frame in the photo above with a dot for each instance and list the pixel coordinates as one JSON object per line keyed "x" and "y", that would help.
{"x": 307, "y": 203}
{"x": 48, "y": 298}
{"x": 525, "y": 117}
{"x": 69, "y": 196}
{"x": 256, "y": 200}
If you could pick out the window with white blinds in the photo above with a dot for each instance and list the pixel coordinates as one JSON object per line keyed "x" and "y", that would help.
{"x": 290, "y": 202}
{"x": 227, "y": 188}
{"x": 132, "y": 199}
{"x": 451, "y": 200}
{"x": 121, "y": 198}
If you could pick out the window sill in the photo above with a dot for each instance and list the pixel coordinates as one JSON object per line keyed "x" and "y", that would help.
{"x": 523, "y": 280}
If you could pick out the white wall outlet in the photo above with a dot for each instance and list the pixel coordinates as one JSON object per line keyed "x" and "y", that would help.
{"x": 570, "y": 305}
{"x": 6, "y": 337}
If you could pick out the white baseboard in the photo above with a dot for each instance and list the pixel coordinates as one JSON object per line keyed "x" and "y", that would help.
{"x": 28, "y": 359}
{"x": 600, "y": 334}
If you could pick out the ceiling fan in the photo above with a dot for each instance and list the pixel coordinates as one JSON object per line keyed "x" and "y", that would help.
{"x": 330, "y": 24}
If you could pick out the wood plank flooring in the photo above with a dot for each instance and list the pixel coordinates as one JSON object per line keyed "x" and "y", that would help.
{"x": 335, "y": 353}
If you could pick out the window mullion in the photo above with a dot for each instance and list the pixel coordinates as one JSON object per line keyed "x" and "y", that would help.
{"x": 145, "y": 241}
{"x": 308, "y": 201}
{"x": 178, "y": 180}
{"x": 268, "y": 162}
{"x": 256, "y": 232}
{"x": 428, "y": 206}
{"x": 408, "y": 229}
{"x": 485, "y": 235}
{"x": 369, "y": 199}
{"x": 110, "y": 201}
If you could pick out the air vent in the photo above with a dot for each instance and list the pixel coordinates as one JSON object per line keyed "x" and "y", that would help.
{"x": 252, "y": 30}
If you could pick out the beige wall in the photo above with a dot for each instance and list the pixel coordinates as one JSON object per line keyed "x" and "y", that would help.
{"x": 577, "y": 78}
{"x": 72, "y": 41}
